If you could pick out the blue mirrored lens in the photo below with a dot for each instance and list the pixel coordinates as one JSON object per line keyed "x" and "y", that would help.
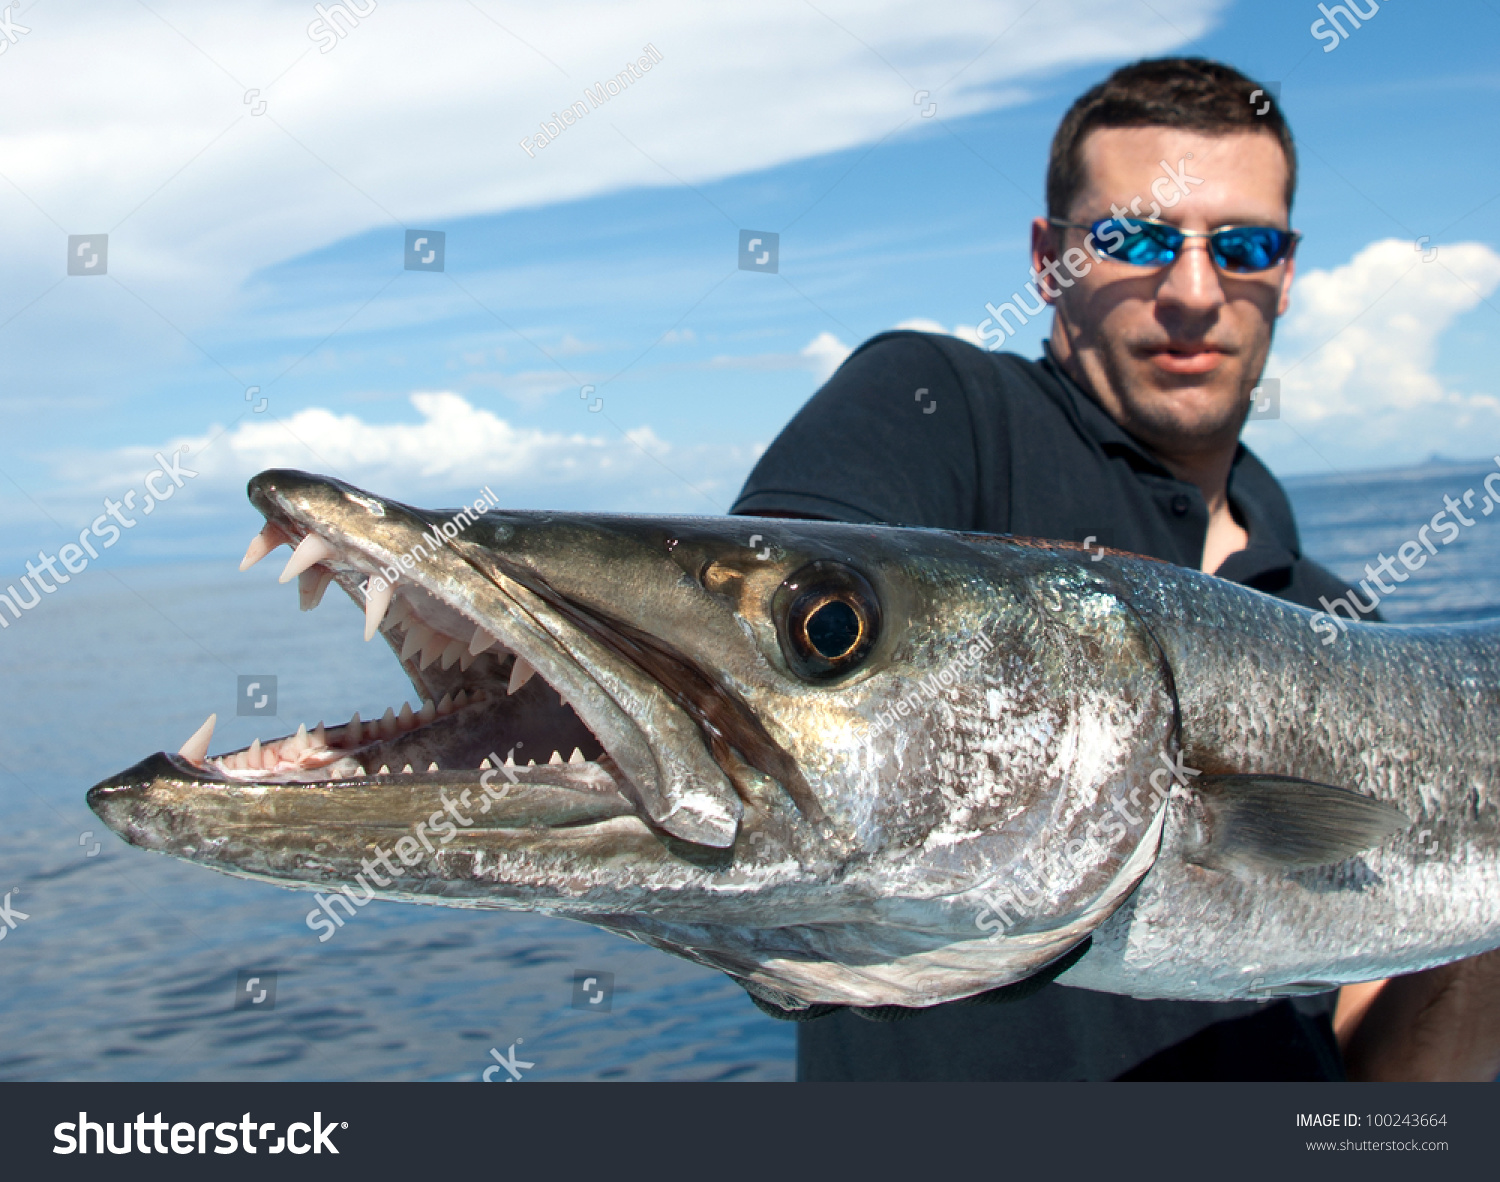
{"x": 1136, "y": 242}
{"x": 1249, "y": 248}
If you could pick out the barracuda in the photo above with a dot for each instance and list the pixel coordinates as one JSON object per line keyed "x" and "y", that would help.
{"x": 864, "y": 765}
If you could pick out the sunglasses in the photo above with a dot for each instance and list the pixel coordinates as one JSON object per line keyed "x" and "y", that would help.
{"x": 1240, "y": 250}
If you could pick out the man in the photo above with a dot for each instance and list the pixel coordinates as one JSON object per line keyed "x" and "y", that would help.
{"x": 1125, "y": 434}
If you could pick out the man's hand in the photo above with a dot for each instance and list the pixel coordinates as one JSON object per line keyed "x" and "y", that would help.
{"x": 1441, "y": 1024}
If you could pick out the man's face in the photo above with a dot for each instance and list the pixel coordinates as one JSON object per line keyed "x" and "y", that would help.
{"x": 1172, "y": 352}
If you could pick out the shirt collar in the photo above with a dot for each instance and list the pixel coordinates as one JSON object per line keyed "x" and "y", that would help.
{"x": 1257, "y": 497}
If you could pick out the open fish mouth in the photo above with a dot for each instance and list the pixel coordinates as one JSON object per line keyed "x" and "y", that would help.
{"x": 532, "y": 708}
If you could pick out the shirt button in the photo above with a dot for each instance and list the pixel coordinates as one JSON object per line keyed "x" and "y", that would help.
{"x": 1180, "y": 504}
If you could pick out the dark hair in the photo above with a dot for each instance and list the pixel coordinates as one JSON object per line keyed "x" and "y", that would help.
{"x": 1191, "y": 93}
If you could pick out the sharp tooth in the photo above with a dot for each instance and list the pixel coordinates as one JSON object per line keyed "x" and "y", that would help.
{"x": 319, "y": 736}
{"x": 299, "y": 741}
{"x": 531, "y": 763}
{"x": 362, "y": 770}
{"x": 577, "y": 757}
{"x": 406, "y": 771}
{"x": 451, "y": 654}
{"x": 262, "y": 544}
{"x": 270, "y": 757}
{"x": 388, "y": 723}
{"x": 377, "y": 602}
{"x": 446, "y": 704}
{"x": 406, "y": 719}
{"x": 555, "y": 760}
{"x": 481, "y": 641}
{"x": 510, "y": 758}
{"x": 334, "y": 773}
{"x": 433, "y": 649}
{"x": 521, "y": 672}
{"x": 310, "y": 587}
{"x": 461, "y": 699}
{"x": 433, "y": 767}
{"x": 310, "y": 551}
{"x": 196, "y": 748}
{"x": 352, "y": 732}
{"x": 465, "y": 661}
{"x": 484, "y": 765}
{"x": 252, "y": 756}
{"x": 385, "y": 770}
{"x": 417, "y": 635}
{"x": 400, "y": 610}
{"x": 428, "y": 711}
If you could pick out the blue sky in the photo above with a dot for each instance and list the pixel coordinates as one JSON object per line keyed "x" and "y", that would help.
{"x": 265, "y": 250}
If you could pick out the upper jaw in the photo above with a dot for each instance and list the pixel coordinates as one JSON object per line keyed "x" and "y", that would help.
{"x": 469, "y": 587}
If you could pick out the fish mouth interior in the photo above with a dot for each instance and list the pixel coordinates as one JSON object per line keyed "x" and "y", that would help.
{"x": 478, "y": 705}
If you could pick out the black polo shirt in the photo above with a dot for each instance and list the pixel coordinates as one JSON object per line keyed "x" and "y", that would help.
{"x": 919, "y": 429}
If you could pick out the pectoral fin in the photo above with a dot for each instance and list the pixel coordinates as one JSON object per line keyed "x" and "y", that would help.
{"x": 1277, "y": 822}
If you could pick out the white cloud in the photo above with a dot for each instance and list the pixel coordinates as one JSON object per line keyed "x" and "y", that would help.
{"x": 455, "y": 446}
{"x": 143, "y": 121}
{"x": 1357, "y": 359}
{"x": 1362, "y": 337}
{"x": 825, "y": 353}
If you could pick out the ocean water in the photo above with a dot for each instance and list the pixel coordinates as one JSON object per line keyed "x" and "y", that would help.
{"x": 128, "y": 965}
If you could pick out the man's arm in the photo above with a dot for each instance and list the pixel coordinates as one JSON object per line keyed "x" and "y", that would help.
{"x": 1442, "y": 1024}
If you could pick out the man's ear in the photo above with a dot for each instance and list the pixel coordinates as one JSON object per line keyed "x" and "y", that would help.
{"x": 1289, "y": 272}
{"x": 1046, "y": 245}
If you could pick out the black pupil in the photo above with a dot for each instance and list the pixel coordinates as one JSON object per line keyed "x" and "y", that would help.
{"x": 833, "y": 629}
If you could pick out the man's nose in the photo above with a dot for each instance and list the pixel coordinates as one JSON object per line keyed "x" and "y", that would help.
{"x": 1191, "y": 279}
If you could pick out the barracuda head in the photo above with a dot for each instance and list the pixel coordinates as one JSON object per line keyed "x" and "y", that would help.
{"x": 807, "y": 760}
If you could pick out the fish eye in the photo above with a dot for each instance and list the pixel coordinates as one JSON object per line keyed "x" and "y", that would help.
{"x": 828, "y": 620}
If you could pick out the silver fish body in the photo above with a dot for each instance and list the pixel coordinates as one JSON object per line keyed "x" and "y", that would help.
{"x": 868, "y": 765}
